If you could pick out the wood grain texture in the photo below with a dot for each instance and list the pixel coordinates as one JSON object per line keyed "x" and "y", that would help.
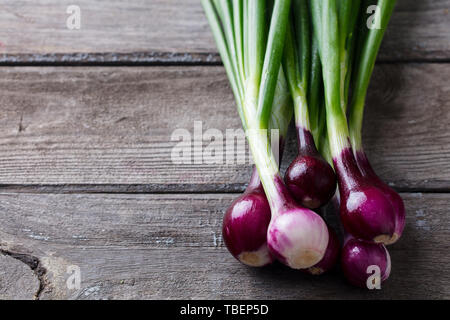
{"x": 17, "y": 280}
{"x": 78, "y": 145}
{"x": 170, "y": 246}
{"x": 164, "y": 31}
{"x": 72, "y": 129}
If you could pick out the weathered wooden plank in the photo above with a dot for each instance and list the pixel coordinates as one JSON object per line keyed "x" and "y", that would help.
{"x": 170, "y": 246}
{"x": 162, "y": 31}
{"x": 17, "y": 280}
{"x": 109, "y": 129}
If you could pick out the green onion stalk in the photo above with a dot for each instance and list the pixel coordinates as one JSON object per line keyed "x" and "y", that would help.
{"x": 251, "y": 53}
{"x": 369, "y": 46}
{"x": 309, "y": 177}
{"x": 365, "y": 211}
{"x": 348, "y": 13}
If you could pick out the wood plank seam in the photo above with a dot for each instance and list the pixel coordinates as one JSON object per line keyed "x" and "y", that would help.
{"x": 143, "y": 59}
{"x": 149, "y": 189}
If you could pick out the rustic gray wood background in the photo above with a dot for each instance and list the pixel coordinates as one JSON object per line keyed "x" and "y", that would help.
{"x": 85, "y": 142}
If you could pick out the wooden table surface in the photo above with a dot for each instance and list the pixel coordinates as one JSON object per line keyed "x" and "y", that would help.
{"x": 86, "y": 123}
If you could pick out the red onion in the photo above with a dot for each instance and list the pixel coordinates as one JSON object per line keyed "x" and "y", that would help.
{"x": 245, "y": 224}
{"x": 360, "y": 259}
{"x": 298, "y": 237}
{"x": 309, "y": 177}
{"x": 366, "y": 212}
{"x": 331, "y": 256}
{"x": 394, "y": 197}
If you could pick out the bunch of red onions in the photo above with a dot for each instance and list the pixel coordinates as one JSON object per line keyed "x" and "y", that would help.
{"x": 303, "y": 57}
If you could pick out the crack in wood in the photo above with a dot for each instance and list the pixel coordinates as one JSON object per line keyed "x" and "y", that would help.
{"x": 21, "y": 127}
{"x": 34, "y": 264}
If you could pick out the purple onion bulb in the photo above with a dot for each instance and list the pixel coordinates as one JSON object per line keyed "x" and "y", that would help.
{"x": 331, "y": 256}
{"x": 365, "y": 211}
{"x": 360, "y": 258}
{"x": 367, "y": 214}
{"x": 395, "y": 199}
{"x": 298, "y": 237}
{"x": 244, "y": 227}
{"x": 400, "y": 216}
{"x": 309, "y": 178}
{"x": 311, "y": 181}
